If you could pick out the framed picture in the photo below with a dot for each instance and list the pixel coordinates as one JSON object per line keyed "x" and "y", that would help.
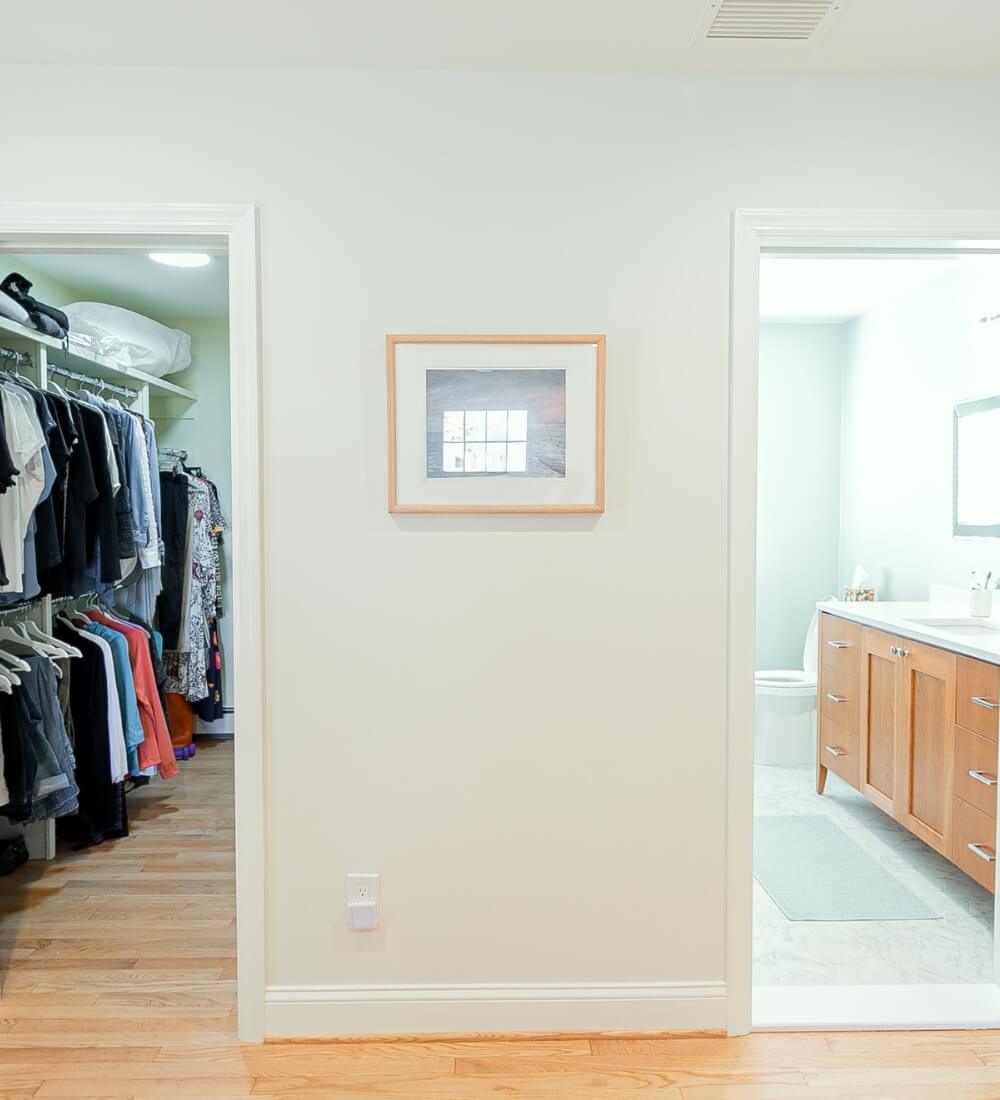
{"x": 496, "y": 424}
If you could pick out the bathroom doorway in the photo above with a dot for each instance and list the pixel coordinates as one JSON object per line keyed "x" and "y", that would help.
{"x": 865, "y": 911}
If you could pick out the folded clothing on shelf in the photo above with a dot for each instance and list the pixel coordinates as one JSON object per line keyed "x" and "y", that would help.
{"x": 12, "y": 311}
{"x": 47, "y": 319}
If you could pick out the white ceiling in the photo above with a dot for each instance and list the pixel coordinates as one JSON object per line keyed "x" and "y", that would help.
{"x": 834, "y": 289}
{"x": 869, "y": 37}
{"x": 135, "y": 282}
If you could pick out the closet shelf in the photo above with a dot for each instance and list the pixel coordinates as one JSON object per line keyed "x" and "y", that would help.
{"x": 22, "y": 332}
{"x": 97, "y": 366}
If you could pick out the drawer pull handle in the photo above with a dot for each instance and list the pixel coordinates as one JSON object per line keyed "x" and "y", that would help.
{"x": 834, "y": 698}
{"x": 983, "y": 851}
{"x": 986, "y": 778}
{"x": 834, "y": 751}
{"x": 981, "y": 701}
{"x": 839, "y": 645}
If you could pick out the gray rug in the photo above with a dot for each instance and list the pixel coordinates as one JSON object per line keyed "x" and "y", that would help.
{"x": 814, "y": 871}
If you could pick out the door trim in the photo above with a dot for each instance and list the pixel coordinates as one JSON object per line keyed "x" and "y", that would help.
{"x": 95, "y": 227}
{"x": 755, "y": 230}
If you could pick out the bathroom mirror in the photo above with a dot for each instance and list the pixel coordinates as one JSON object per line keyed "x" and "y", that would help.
{"x": 976, "y": 468}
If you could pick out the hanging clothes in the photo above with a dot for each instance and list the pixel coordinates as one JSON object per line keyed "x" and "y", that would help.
{"x": 38, "y": 760}
{"x": 190, "y": 605}
{"x": 85, "y": 510}
{"x": 156, "y": 748}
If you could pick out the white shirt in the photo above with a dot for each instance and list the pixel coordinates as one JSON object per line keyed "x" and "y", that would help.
{"x": 116, "y": 731}
{"x": 25, "y": 442}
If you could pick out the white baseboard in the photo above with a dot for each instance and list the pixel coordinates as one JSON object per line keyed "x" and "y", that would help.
{"x": 224, "y": 728}
{"x": 544, "y": 1007}
{"x": 875, "y": 1007}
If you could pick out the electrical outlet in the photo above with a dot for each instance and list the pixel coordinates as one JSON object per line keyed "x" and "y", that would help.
{"x": 362, "y": 892}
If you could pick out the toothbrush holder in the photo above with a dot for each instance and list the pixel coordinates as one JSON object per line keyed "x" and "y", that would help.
{"x": 981, "y": 602}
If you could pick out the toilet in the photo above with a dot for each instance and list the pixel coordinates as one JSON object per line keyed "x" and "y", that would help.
{"x": 784, "y": 733}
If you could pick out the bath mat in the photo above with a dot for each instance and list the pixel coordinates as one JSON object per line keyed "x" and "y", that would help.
{"x": 813, "y": 871}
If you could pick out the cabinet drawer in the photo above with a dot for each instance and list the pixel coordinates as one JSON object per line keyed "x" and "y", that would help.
{"x": 839, "y": 698}
{"x": 839, "y": 751}
{"x": 977, "y": 697}
{"x": 975, "y": 754}
{"x": 840, "y": 644}
{"x": 970, "y": 826}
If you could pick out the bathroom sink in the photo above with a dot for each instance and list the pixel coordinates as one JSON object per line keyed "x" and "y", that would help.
{"x": 968, "y": 627}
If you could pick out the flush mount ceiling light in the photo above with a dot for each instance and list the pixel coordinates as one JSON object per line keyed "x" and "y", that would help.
{"x": 181, "y": 259}
{"x": 769, "y": 20}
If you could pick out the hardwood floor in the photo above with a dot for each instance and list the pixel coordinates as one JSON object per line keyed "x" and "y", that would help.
{"x": 117, "y": 981}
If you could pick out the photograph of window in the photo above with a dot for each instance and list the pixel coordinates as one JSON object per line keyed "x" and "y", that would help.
{"x": 477, "y": 440}
{"x": 496, "y": 423}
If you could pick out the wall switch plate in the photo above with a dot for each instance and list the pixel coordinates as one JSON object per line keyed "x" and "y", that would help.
{"x": 362, "y": 891}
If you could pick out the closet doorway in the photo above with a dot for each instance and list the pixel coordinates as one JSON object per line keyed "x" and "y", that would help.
{"x": 130, "y": 663}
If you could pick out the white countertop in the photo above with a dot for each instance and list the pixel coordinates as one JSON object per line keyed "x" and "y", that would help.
{"x": 897, "y": 618}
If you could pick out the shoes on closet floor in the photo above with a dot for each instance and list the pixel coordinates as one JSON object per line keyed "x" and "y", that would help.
{"x": 13, "y": 853}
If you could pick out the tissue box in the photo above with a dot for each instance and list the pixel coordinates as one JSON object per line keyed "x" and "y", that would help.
{"x": 859, "y": 595}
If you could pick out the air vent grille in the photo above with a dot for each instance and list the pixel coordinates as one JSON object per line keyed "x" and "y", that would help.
{"x": 775, "y": 20}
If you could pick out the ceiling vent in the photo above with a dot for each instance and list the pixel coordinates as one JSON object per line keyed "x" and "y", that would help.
{"x": 769, "y": 20}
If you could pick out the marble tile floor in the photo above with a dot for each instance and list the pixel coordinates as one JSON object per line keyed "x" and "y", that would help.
{"x": 956, "y": 948}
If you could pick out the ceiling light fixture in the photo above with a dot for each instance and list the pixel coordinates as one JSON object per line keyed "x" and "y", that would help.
{"x": 181, "y": 259}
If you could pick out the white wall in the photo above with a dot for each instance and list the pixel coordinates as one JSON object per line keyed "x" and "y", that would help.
{"x": 908, "y": 364}
{"x": 505, "y": 787}
{"x": 798, "y": 483}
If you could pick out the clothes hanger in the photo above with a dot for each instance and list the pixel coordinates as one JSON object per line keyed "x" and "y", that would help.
{"x": 19, "y": 641}
{"x": 74, "y": 620}
{"x": 33, "y": 632}
{"x": 8, "y": 661}
{"x": 9, "y": 634}
{"x": 53, "y": 652}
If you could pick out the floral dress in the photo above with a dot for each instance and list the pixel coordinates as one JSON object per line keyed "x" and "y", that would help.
{"x": 187, "y": 666}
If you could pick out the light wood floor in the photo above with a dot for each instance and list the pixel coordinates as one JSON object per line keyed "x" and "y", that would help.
{"x": 118, "y": 969}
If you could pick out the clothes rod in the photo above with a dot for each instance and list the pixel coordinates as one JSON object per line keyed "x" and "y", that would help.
{"x": 85, "y": 379}
{"x": 20, "y": 609}
{"x": 18, "y": 358}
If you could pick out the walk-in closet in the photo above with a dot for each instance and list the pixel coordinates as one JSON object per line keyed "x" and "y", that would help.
{"x": 116, "y": 716}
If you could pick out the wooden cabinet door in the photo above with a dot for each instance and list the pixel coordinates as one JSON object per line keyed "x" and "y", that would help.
{"x": 927, "y": 742}
{"x": 880, "y": 756}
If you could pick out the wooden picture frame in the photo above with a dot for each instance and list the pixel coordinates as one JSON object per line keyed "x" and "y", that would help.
{"x": 570, "y": 373}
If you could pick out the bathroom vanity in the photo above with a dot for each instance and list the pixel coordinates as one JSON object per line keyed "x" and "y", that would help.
{"x": 909, "y": 695}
